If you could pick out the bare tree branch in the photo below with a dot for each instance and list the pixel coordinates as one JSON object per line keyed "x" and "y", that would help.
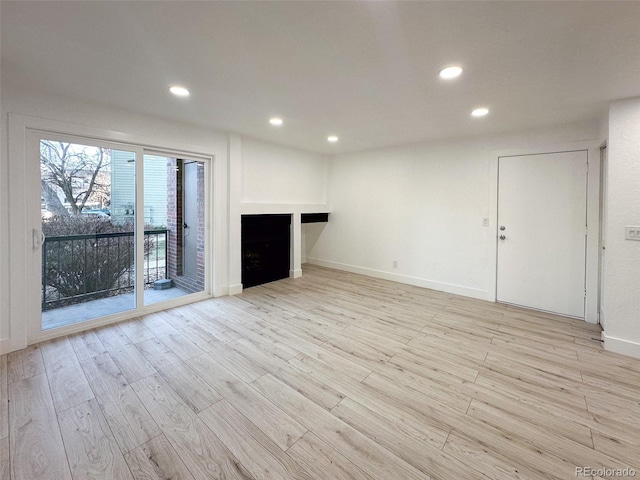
{"x": 75, "y": 171}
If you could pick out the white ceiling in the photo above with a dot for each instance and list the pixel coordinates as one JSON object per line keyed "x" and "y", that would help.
{"x": 365, "y": 71}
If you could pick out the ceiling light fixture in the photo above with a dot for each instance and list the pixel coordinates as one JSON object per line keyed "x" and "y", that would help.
{"x": 332, "y": 139}
{"x": 275, "y": 121}
{"x": 480, "y": 112}
{"x": 448, "y": 73}
{"x": 179, "y": 91}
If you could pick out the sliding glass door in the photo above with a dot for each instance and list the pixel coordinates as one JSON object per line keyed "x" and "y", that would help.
{"x": 174, "y": 218}
{"x": 88, "y": 205}
{"x": 120, "y": 231}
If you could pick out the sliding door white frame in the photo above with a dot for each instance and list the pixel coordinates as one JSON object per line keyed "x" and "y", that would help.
{"x": 24, "y": 308}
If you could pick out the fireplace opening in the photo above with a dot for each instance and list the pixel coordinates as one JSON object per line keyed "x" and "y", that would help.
{"x": 266, "y": 246}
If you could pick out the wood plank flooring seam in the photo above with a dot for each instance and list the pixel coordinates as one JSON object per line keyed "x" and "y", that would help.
{"x": 48, "y": 462}
{"x": 448, "y": 435}
{"x": 57, "y": 423}
{"x": 106, "y": 382}
{"x": 111, "y": 428}
{"x": 157, "y": 459}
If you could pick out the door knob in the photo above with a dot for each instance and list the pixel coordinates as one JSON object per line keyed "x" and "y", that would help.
{"x": 502, "y": 237}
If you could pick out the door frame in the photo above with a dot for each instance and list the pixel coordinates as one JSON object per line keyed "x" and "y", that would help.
{"x": 186, "y": 202}
{"x": 22, "y": 220}
{"x": 604, "y": 166}
{"x": 34, "y": 261}
{"x": 593, "y": 216}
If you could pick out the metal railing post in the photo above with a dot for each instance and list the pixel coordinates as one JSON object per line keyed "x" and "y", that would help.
{"x": 166, "y": 254}
{"x": 44, "y": 274}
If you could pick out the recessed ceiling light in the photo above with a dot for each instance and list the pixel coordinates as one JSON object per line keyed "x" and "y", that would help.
{"x": 275, "y": 121}
{"x": 480, "y": 112}
{"x": 179, "y": 91}
{"x": 450, "y": 72}
{"x": 332, "y": 139}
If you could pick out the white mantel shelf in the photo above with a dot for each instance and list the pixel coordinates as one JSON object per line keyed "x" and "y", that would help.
{"x": 282, "y": 208}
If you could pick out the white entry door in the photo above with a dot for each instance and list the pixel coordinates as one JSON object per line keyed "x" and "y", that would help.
{"x": 542, "y": 201}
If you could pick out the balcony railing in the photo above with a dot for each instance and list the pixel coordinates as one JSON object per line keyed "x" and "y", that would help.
{"x": 79, "y": 268}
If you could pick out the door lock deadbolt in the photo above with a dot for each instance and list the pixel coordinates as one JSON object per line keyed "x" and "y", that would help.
{"x": 502, "y": 227}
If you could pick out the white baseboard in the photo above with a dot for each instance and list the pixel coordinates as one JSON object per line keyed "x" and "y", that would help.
{"x": 220, "y": 291}
{"x": 8, "y": 345}
{"x": 5, "y": 346}
{"x": 618, "y": 345}
{"x": 394, "y": 277}
{"x": 235, "y": 289}
{"x": 295, "y": 273}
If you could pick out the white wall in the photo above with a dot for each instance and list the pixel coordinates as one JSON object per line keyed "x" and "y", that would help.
{"x": 422, "y": 206}
{"x": 276, "y": 174}
{"x": 621, "y": 286}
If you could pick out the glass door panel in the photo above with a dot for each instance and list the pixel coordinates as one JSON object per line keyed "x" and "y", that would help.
{"x": 174, "y": 217}
{"x": 88, "y": 212}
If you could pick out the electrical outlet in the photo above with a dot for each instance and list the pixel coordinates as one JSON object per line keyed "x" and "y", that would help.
{"x": 395, "y": 264}
{"x": 632, "y": 233}
{"x": 485, "y": 221}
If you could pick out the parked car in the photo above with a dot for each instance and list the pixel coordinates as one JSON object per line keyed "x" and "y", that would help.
{"x": 95, "y": 213}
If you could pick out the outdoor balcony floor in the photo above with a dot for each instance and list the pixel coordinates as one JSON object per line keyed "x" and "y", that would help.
{"x": 81, "y": 312}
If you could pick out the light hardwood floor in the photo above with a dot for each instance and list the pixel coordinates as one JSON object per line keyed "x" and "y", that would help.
{"x": 329, "y": 376}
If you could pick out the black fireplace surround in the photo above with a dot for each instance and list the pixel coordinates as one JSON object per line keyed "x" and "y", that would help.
{"x": 266, "y": 247}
